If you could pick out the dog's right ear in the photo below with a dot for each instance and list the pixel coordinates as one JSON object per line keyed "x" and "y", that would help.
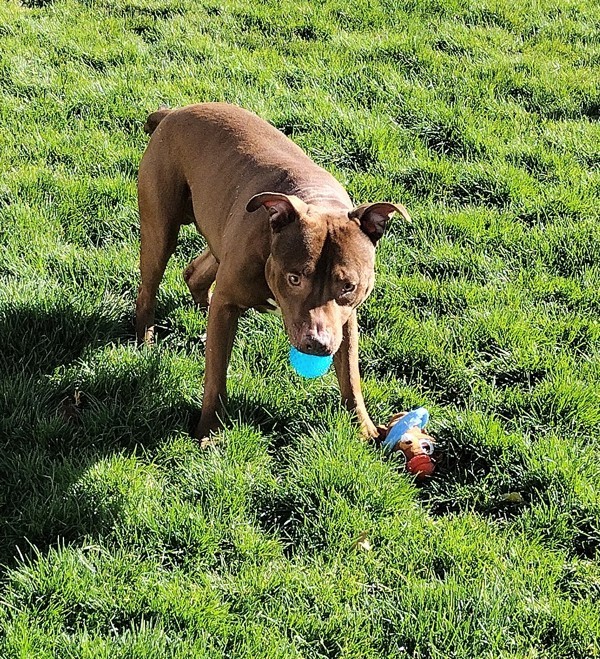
{"x": 283, "y": 209}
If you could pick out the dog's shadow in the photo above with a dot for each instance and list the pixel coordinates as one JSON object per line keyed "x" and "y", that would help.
{"x": 44, "y": 441}
{"x": 38, "y": 337}
{"x": 64, "y": 413}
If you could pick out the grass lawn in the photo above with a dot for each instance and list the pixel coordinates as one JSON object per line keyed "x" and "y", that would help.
{"x": 119, "y": 537}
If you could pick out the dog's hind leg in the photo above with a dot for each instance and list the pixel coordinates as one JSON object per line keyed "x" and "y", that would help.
{"x": 160, "y": 219}
{"x": 200, "y": 275}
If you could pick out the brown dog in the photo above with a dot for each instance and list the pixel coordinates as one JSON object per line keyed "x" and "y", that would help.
{"x": 281, "y": 233}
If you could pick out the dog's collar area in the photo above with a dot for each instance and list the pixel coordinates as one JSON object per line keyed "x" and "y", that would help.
{"x": 273, "y": 307}
{"x": 270, "y": 306}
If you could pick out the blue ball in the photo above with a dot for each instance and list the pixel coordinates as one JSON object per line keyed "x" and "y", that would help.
{"x": 309, "y": 366}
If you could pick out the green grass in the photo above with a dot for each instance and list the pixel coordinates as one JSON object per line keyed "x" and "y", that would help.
{"x": 119, "y": 537}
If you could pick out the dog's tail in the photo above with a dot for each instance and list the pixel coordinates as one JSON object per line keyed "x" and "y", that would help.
{"x": 155, "y": 118}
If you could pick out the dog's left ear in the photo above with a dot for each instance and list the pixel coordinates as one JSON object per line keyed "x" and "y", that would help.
{"x": 283, "y": 209}
{"x": 373, "y": 218}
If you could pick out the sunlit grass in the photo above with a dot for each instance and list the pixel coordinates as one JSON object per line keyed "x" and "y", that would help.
{"x": 119, "y": 537}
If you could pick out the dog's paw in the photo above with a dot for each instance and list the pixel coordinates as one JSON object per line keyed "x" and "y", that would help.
{"x": 209, "y": 442}
{"x": 145, "y": 337}
{"x": 369, "y": 433}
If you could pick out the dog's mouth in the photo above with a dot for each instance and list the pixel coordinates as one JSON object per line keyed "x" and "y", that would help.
{"x": 313, "y": 343}
{"x": 314, "y": 351}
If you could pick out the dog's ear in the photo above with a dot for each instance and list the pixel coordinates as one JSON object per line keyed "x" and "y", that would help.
{"x": 283, "y": 209}
{"x": 373, "y": 218}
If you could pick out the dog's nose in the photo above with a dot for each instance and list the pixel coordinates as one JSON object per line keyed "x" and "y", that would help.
{"x": 316, "y": 343}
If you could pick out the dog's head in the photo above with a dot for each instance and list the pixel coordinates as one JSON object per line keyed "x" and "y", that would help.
{"x": 321, "y": 265}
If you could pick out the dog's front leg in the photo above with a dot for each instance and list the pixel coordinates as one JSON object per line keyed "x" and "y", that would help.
{"x": 222, "y": 324}
{"x": 346, "y": 368}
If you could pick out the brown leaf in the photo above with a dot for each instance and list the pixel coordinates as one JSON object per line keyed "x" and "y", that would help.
{"x": 363, "y": 543}
{"x": 70, "y": 407}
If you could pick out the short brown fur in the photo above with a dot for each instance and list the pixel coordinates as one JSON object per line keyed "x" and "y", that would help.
{"x": 280, "y": 230}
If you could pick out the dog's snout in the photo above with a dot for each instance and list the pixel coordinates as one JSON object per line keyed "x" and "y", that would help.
{"x": 317, "y": 343}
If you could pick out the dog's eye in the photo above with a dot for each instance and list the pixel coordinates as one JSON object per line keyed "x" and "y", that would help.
{"x": 348, "y": 287}
{"x": 293, "y": 280}
{"x": 427, "y": 447}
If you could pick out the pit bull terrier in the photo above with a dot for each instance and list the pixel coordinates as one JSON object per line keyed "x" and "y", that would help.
{"x": 281, "y": 234}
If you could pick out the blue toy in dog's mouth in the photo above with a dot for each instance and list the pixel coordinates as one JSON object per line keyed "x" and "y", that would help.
{"x": 309, "y": 366}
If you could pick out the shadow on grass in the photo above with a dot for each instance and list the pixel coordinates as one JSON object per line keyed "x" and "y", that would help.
{"x": 39, "y": 337}
{"x": 37, "y": 4}
{"x": 283, "y": 428}
{"x": 446, "y": 383}
{"x": 60, "y": 441}
{"x": 482, "y": 481}
{"x": 62, "y": 418}
{"x": 475, "y": 477}
{"x": 45, "y": 446}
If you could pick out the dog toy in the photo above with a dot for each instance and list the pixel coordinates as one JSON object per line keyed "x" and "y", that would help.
{"x": 406, "y": 433}
{"x": 309, "y": 366}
